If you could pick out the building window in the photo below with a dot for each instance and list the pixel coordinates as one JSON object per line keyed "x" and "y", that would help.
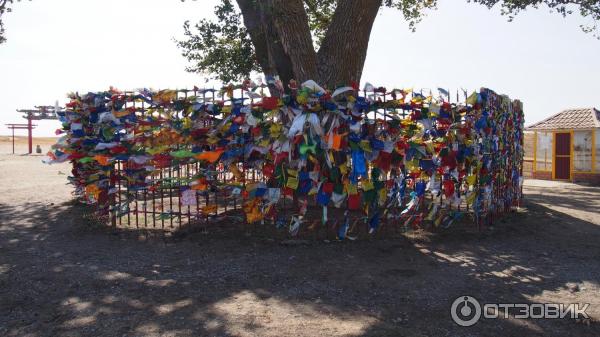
{"x": 543, "y": 151}
{"x": 582, "y": 151}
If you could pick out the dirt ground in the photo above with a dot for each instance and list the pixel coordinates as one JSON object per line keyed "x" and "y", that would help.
{"x": 61, "y": 277}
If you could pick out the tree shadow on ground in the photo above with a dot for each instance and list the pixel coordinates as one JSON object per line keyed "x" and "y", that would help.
{"x": 584, "y": 199}
{"x": 60, "y": 276}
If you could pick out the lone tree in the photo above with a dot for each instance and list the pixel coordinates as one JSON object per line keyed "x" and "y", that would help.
{"x": 323, "y": 40}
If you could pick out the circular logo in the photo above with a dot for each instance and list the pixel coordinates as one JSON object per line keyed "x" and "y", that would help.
{"x": 465, "y": 311}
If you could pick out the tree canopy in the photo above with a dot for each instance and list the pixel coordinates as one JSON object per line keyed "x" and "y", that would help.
{"x": 324, "y": 40}
{"x": 259, "y": 35}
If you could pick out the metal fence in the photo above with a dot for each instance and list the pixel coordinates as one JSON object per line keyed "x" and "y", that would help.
{"x": 154, "y": 199}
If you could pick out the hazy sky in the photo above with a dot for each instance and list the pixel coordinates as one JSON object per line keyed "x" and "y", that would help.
{"x": 59, "y": 46}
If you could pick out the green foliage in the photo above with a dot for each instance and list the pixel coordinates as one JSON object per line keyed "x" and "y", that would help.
{"x": 587, "y": 8}
{"x": 222, "y": 47}
{"x": 319, "y": 14}
{"x": 413, "y": 10}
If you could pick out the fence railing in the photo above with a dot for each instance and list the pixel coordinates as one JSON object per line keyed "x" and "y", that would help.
{"x": 311, "y": 163}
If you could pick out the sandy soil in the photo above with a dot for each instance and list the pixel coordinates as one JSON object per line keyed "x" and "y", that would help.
{"x": 21, "y": 145}
{"x": 62, "y": 277}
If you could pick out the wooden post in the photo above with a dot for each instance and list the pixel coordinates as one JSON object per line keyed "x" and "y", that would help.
{"x": 30, "y": 135}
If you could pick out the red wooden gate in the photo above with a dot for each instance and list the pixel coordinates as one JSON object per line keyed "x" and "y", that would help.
{"x": 562, "y": 156}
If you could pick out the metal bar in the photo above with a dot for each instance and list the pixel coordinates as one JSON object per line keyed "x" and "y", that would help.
{"x": 162, "y": 200}
{"x": 119, "y": 192}
{"x": 136, "y": 190}
{"x": 170, "y": 171}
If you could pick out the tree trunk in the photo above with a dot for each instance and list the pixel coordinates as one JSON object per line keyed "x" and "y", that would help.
{"x": 291, "y": 23}
{"x": 254, "y": 24}
{"x": 342, "y": 55}
{"x": 283, "y": 44}
{"x": 281, "y": 37}
{"x": 276, "y": 54}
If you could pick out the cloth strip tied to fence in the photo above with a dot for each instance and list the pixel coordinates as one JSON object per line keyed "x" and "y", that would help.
{"x": 375, "y": 155}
